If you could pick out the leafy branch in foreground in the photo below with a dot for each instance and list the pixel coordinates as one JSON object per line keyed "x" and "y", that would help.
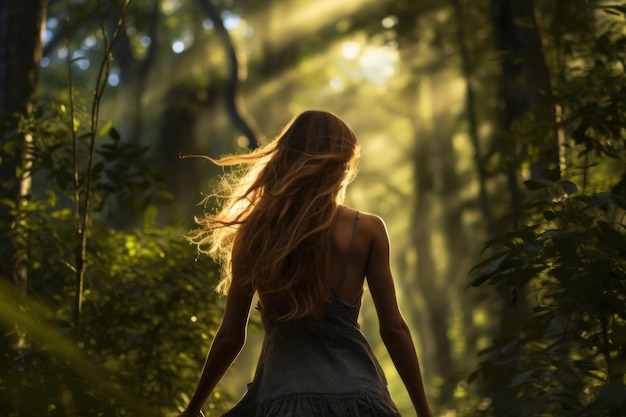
{"x": 567, "y": 354}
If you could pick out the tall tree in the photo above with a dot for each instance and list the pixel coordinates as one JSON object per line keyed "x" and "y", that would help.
{"x": 134, "y": 71}
{"x": 21, "y": 25}
{"x": 524, "y": 92}
{"x": 525, "y": 86}
{"x": 232, "y": 99}
{"x": 470, "y": 109}
{"x": 20, "y": 53}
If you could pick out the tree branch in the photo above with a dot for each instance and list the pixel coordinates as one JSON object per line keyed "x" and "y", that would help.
{"x": 235, "y": 110}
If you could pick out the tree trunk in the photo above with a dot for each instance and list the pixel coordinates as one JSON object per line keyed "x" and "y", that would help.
{"x": 232, "y": 98}
{"x": 470, "y": 110}
{"x": 134, "y": 76}
{"x": 430, "y": 282}
{"x": 525, "y": 88}
{"x": 435, "y": 295}
{"x": 21, "y": 25}
{"x": 525, "y": 84}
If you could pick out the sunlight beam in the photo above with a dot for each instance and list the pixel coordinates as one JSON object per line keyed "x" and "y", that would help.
{"x": 314, "y": 15}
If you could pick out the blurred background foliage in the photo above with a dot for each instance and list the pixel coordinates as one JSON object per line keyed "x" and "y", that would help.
{"x": 492, "y": 137}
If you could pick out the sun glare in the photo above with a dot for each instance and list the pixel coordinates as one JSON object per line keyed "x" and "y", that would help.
{"x": 178, "y": 47}
{"x": 378, "y": 64}
{"x": 312, "y": 15}
{"x": 168, "y": 7}
{"x": 389, "y": 22}
{"x": 351, "y": 49}
{"x": 231, "y": 21}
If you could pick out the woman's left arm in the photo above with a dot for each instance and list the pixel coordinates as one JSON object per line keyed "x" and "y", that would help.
{"x": 228, "y": 342}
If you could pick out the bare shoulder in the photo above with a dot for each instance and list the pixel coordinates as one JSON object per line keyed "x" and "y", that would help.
{"x": 370, "y": 224}
{"x": 372, "y": 221}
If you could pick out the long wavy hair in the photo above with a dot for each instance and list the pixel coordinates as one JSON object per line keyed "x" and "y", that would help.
{"x": 279, "y": 204}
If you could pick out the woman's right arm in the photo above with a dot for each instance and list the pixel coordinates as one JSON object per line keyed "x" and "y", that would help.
{"x": 227, "y": 344}
{"x": 394, "y": 331}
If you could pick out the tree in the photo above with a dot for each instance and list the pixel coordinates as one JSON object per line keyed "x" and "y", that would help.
{"x": 525, "y": 88}
{"x": 21, "y": 26}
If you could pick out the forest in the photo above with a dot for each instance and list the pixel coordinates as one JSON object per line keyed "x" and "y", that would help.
{"x": 493, "y": 138}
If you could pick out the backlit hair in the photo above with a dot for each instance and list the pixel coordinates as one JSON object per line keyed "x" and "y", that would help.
{"x": 278, "y": 207}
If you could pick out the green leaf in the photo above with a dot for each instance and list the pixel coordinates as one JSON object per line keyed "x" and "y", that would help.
{"x": 521, "y": 378}
{"x": 612, "y": 12}
{"x": 617, "y": 10}
{"x": 537, "y": 184}
{"x": 533, "y": 245}
{"x": 7, "y": 202}
{"x": 511, "y": 347}
{"x": 553, "y": 174}
{"x": 11, "y": 147}
{"x": 494, "y": 264}
{"x": 114, "y": 134}
{"x": 473, "y": 376}
{"x": 569, "y": 187}
{"x": 106, "y": 128}
{"x": 150, "y": 215}
{"x": 549, "y": 215}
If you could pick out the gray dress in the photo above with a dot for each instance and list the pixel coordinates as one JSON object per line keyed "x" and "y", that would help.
{"x": 321, "y": 368}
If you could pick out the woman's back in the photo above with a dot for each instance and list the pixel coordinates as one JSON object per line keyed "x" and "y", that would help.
{"x": 322, "y": 367}
{"x": 346, "y": 270}
{"x": 350, "y": 284}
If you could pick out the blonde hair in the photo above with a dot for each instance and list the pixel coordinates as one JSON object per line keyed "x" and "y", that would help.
{"x": 279, "y": 204}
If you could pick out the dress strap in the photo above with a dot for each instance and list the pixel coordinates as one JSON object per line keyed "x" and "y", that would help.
{"x": 345, "y": 265}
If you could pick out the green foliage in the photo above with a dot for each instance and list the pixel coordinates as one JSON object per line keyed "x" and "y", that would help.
{"x": 149, "y": 308}
{"x": 123, "y": 178}
{"x": 592, "y": 87}
{"x": 148, "y": 318}
{"x": 113, "y": 321}
{"x": 560, "y": 271}
{"x": 566, "y": 355}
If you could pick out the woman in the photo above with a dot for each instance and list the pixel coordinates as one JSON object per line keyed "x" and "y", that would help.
{"x": 283, "y": 234}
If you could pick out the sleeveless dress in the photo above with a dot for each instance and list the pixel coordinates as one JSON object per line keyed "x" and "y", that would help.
{"x": 321, "y": 368}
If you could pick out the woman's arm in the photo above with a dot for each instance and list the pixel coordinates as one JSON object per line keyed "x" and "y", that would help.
{"x": 393, "y": 329}
{"x": 228, "y": 342}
